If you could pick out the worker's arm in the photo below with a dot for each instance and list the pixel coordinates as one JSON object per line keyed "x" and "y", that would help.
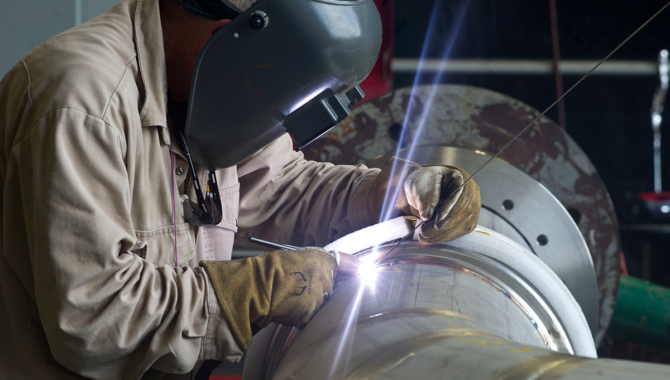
{"x": 107, "y": 313}
{"x": 288, "y": 199}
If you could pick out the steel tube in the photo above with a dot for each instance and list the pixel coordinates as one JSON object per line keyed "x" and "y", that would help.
{"x": 265, "y": 243}
{"x": 523, "y": 66}
{"x": 437, "y": 312}
{"x": 642, "y": 313}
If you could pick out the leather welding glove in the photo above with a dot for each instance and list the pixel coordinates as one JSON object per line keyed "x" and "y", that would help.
{"x": 425, "y": 193}
{"x": 285, "y": 287}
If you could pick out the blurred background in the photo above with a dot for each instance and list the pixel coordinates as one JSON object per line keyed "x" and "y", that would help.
{"x": 527, "y": 49}
{"x": 608, "y": 116}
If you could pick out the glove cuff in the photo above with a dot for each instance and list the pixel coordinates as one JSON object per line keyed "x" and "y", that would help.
{"x": 233, "y": 295}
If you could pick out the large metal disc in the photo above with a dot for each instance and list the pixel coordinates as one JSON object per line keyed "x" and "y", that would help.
{"x": 483, "y": 120}
{"x": 518, "y": 200}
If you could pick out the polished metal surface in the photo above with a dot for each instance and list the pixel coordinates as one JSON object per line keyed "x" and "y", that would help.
{"x": 420, "y": 291}
{"x": 433, "y": 312}
{"x": 461, "y": 353}
{"x": 493, "y": 220}
{"x": 532, "y": 213}
{"x": 482, "y": 120}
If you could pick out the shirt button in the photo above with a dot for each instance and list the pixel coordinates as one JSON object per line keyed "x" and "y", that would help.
{"x": 180, "y": 170}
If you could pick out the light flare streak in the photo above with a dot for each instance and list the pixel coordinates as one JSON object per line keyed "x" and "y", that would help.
{"x": 367, "y": 274}
{"x": 344, "y": 346}
{"x": 368, "y": 269}
{"x": 389, "y": 199}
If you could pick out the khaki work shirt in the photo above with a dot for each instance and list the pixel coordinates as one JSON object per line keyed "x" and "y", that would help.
{"x": 88, "y": 281}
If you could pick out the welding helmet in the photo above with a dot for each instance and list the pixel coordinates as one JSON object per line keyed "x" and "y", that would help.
{"x": 280, "y": 66}
{"x": 216, "y": 9}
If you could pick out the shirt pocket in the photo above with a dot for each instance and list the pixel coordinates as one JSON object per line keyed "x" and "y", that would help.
{"x": 157, "y": 246}
{"x": 230, "y": 206}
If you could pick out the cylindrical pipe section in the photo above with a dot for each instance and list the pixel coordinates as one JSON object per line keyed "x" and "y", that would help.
{"x": 642, "y": 313}
{"x": 437, "y": 312}
{"x": 523, "y": 67}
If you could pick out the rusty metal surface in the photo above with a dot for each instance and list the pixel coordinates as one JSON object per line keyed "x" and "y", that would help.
{"x": 479, "y": 119}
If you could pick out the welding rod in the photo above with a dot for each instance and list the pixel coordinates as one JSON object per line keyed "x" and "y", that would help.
{"x": 347, "y": 264}
{"x": 270, "y": 244}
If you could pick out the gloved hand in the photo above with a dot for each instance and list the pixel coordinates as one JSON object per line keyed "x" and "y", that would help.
{"x": 286, "y": 287}
{"x": 425, "y": 192}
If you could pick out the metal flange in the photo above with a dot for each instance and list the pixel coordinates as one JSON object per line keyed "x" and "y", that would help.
{"x": 482, "y": 120}
{"x": 519, "y": 201}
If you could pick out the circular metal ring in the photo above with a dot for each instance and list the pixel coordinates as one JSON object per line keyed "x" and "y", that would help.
{"x": 482, "y": 120}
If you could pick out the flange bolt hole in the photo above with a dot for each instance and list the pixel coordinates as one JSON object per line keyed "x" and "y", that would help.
{"x": 508, "y": 204}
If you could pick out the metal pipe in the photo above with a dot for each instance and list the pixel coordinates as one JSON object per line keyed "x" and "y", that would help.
{"x": 657, "y": 106}
{"x": 437, "y": 312}
{"x": 269, "y": 244}
{"x": 523, "y": 67}
{"x": 642, "y": 313}
{"x": 556, "y": 51}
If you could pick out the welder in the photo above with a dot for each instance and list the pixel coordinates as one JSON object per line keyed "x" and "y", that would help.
{"x": 139, "y": 147}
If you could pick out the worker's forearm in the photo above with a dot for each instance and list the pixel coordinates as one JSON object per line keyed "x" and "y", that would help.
{"x": 308, "y": 204}
{"x": 358, "y": 212}
{"x": 133, "y": 318}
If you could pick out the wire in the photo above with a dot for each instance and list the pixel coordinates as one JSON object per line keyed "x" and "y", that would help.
{"x": 402, "y": 240}
{"x": 563, "y": 96}
{"x": 534, "y": 121}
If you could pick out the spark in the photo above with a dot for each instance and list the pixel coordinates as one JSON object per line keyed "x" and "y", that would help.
{"x": 367, "y": 270}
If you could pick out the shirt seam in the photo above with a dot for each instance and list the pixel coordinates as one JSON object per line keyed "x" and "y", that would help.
{"x": 32, "y": 127}
{"x": 163, "y": 230}
{"x": 140, "y": 64}
{"x": 116, "y": 89}
{"x": 30, "y": 100}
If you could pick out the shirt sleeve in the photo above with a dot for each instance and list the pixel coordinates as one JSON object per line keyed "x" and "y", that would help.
{"x": 106, "y": 312}
{"x": 287, "y": 199}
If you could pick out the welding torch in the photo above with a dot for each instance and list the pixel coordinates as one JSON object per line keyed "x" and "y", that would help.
{"x": 347, "y": 264}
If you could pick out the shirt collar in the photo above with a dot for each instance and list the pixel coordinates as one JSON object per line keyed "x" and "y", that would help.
{"x": 151, "y": 62}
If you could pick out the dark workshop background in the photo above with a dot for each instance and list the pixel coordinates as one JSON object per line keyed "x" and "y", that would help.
{"x": 607, "y": 115}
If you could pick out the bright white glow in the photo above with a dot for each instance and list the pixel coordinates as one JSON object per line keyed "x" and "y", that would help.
{"x": 656, "y": 119}
{"x": 367, "y": 271}
{"x": 389, "y": 200}
{"x": 664, "y": 209}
